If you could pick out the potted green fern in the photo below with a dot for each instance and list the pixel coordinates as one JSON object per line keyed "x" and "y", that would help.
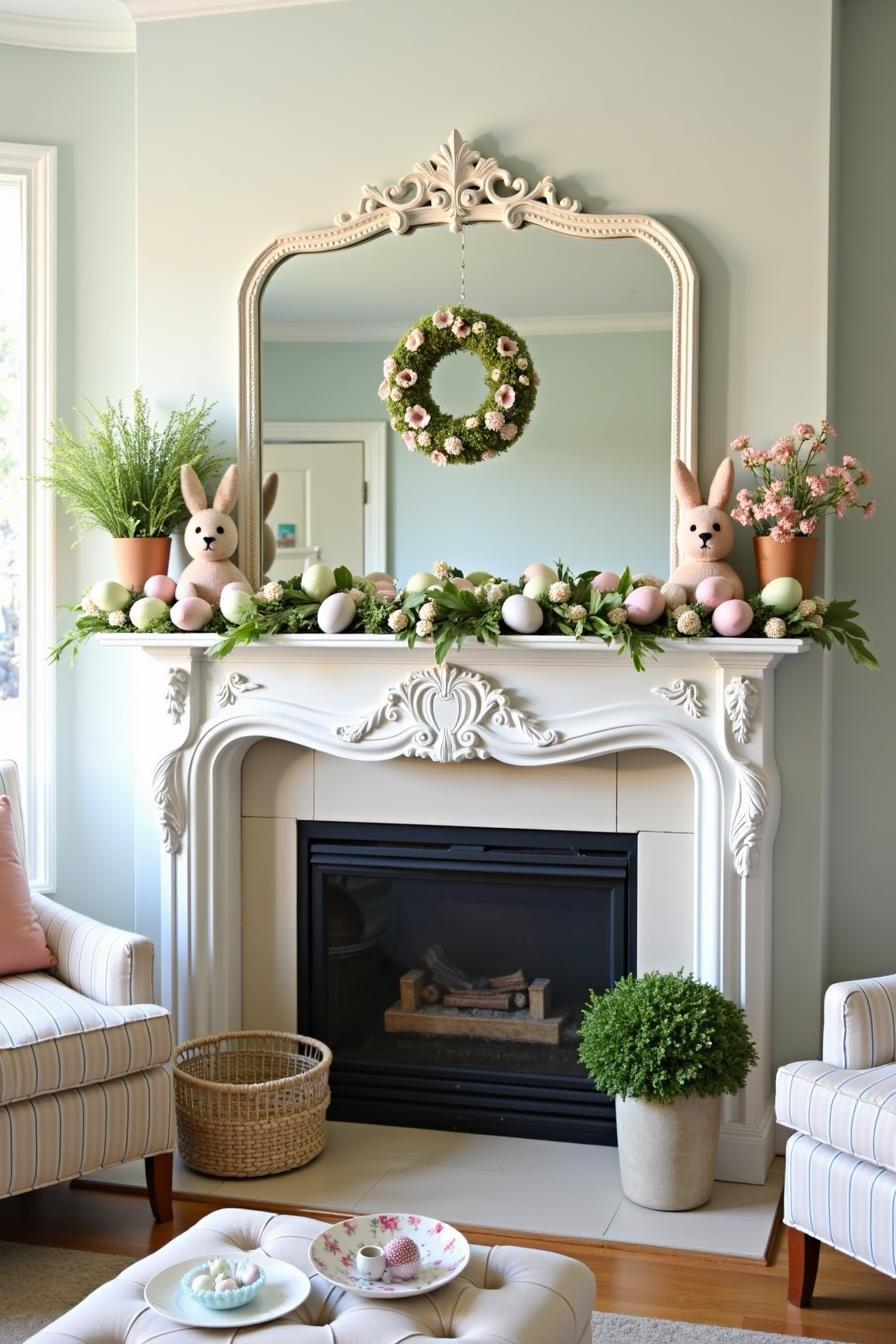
{"x": 668, "y": 1047}
{"x": 122, "y": 474}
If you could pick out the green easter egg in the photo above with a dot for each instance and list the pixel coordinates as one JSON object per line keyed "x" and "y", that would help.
{"x": 418, "y": 583}
{"x": 319, "y": 582}
{"x": 146, "y": 610}
{"x": 782, "y": 595}
{"x": 537, "y": 587}
{"x": 237, "y": 606}
{"x": 480, "y": 576}
{"x": 110, "y": 596}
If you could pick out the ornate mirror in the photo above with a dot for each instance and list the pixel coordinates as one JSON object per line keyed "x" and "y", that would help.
{"x": 611, "y": 329}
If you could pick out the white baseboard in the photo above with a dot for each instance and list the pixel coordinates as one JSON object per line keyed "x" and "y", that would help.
{"x": 746, "y": 1151}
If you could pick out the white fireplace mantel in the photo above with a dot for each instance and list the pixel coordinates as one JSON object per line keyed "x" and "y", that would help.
{"x": 526, "y": 702}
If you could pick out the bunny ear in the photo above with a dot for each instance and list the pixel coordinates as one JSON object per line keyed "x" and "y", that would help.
{"x": 269, "y": 492}
{"x": 722, "y": 485}
{"x": 686, "y": 486}
{"x": 192, "y": 490}
{"x": 225, "y": 495}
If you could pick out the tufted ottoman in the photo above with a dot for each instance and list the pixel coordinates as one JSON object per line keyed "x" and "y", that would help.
{"x": 506, "y": 1295}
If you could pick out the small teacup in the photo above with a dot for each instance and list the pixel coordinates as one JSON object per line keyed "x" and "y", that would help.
{"x": 371, "y": 1262}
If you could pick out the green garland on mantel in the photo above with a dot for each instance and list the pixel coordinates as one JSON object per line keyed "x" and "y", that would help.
{"x": 446, "y": 616}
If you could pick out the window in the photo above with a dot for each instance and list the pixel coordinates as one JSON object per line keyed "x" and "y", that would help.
{"x": 27, "y": 375}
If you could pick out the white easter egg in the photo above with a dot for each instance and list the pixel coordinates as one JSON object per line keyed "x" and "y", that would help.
{"x": 712, "y": 592}
{"x": 191, "y": 613}
{"x": 236, "y": 586}
{"x": 675, "y": 594}
{"x": 237, "y": 605}
{"x": 249, "y": 1273}
{"x": 160, "y": 585}
{"x": 203, "y": 1283}
{"x": 606, "y": 581}
{"x": 319, "y": 581}
{"x": 782, "y": 595}
{"x": 540, "y": 572}
{"x": 645, "y": 605}
{"x": 146, "y": 610}
{"x": 522, "y": 614}
{"x": 110, "y": 596}
{"x": 336, "y": 613}
{"x": 732, "y": 618}
{"x": 418, "y": 583}
{"x": 537, "y": 587}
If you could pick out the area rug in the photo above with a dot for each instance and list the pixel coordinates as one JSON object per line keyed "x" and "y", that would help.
{"x": 609, "y": 1329}
{"x": 40, "y": 1283}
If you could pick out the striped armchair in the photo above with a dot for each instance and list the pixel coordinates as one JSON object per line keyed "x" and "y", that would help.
{"x": 840, "y": 1182}
{"x": 84, "y": 1082}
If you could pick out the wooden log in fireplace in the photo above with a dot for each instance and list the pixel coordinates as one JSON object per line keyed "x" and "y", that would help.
{"x": 484, "y": 1014}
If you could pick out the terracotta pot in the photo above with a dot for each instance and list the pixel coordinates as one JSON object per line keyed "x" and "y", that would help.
{"x": 138, "y": 558}
{"x": 786, "y": 560}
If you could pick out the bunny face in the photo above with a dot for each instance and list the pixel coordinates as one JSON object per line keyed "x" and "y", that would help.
{"x": 210, "y": 535}
{"x": 705, "y": 533}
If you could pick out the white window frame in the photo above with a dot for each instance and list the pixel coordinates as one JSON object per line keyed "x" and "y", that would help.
{"x": 35, "y": 165}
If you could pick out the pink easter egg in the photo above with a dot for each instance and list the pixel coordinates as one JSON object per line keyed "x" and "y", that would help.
{"x": 540, "y": 572}
{"x": 380, "y": 576}
{"x": 463, "y": 584}
{"x": 645, "y": 605}
{"x": 191, "y": 613}
{"x": 402, "y": 1258}
{"x": 711, "y": 593}
{"x": 606, "y": 582}
{"x": 731, "y": 618}
{"x": 160, "y": 586}
{"x": 237, "y": 586}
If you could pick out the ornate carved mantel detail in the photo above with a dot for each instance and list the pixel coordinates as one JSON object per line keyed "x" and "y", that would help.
{"x": 741, "y": 702}
{"x": 447, "y": 714}
{"x": 169, "y": 800}
{"x": 750, "y": 804}
{"x": 686, "y": 694}
{"x": 176, "y": 694}
{"x": 233, "y": 686}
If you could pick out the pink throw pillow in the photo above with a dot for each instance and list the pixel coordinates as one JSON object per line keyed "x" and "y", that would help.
{"x": 22, "y": 943}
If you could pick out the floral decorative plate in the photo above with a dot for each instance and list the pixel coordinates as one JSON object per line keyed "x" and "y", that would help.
{"x": 444, "y": 1253}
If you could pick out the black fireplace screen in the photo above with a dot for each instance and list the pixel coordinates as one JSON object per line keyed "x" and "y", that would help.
{"x": 447, "y": 968}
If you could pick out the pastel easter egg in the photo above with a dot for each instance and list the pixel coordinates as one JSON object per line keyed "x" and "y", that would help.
{"x": 203, "y": 1283}
{"x": 645, "y": 605}
{"x": 675, "y": 595}
{"x": 190, "y": 613}
{"x": 379, "y": 576}
{"x": 464, "y": 585}
{"x": 237, "y": 605}
{"x": 218, "y": 1267}
{"x": 226, "y": 1285}
{"x": 237, "y": 586}
{"x": 478, "y": 576}
{"x": 403, "y": 1258}
{"x": 540, "y": 572}
{"x": 249, "y": 1273}
{"x": 336, "y": 613}
{"x": 110, "y": 596}
{"x": 606, "y": 581}
{"x": 732, "y": 618}
{"x": 319, "y": 581}
{"x": 522, "y": 614}
{"x": 782, "y": 595}
{"x": 160, "y": 585}
{"x": 537, "y": 587}
{"x": 146, "y": 610}
{"x": 418, "y": 583}
{"x": 712, "y": 592}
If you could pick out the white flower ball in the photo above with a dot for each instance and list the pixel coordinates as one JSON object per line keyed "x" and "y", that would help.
{"x": 428, "y": 612}
{"x": 441, "y": 569}
{"x": 424, "y": 438}
{"x": 775, "y": 628}
{"x": 453, "y": 446}
{"x": 423, "y": 628}
{"x": 559, "y": 592}
{"x": 479, "y": 328}
{"x": 577, "y": 612}
{"x": 617, "y": 615}
{"x": 496, "y": 374}
{"x": 398, "y": 620}
{"x": 472, "y": 422}
{"x": 807, "y": 607}
{"x": 688, "y": 623}
{"x": 117, "y": 619}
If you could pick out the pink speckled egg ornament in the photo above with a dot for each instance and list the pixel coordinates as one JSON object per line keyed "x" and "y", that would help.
{"x": 711, "y": 593}
{"x": 645, "y": 605}
{"x": 191, "y": 613}
{"x": 731, "y": 618}
{"x": 403, "y": 1258}
{"x": 160, "y": 586}
{"x": 606, "y": 582}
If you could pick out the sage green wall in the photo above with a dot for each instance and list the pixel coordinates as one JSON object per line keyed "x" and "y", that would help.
{"x": 84, "y": 104}
{"x": 863, "y": 737}
{"x": 552, "y": 494}
{"x": 712, "y": 114}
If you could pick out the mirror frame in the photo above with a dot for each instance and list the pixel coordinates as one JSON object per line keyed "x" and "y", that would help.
{"x": 455, "y": 187}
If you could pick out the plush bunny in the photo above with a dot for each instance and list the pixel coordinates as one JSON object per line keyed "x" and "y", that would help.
{"x": 210, "y": 537}
{"x": 705, "y": 532}
{"x": 268, "y": 499}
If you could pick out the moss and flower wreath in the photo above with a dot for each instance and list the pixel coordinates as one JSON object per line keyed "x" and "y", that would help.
{"x": 449, "y": 440}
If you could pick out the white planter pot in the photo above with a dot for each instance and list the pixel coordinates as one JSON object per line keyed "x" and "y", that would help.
{"x": 667, "y": 1154}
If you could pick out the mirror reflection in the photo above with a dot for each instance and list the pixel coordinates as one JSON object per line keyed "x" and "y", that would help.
{"x": 588, "y": 481}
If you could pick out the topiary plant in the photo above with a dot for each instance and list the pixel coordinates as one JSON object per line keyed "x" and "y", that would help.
{"x": 660, "y": 1037}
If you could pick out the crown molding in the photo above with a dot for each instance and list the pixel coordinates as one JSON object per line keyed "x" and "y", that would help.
{"x": 597, "y": 324}
{"x": 150, "y": 11}
{"x": 21, "y": 30}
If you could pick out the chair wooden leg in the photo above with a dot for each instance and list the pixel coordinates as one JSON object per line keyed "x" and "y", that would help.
{"x": 802, "y": 1256}
{"x": 159, "y": 1172}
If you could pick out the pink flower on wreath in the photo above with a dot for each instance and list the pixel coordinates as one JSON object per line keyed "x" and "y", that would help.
{"x": 506, "y": 347}
{"x": 488, "y": 454}
{"x": 442, "y": 317}
{"x": 461, "y": 329}
{"x": 509, "y": 432}
{"x": 494, "y": 420}
{"x": 804, "y": 430}
{"x": 739, "y": 444}
{"x": 870, "y": 509}
{"x": 438, "y": 457}
{"x": 389, "y": 365}
{"x": 453, "y": 446}
{"x": 383, "y": 390}
{"x": 505, "y": 396}
{"x": 417, "y": 417}
{"x": 410, "y": 440}
{"x": 414, "y": 339}
{"x": 808, "y": 526}
{"x": 406, "y": 378}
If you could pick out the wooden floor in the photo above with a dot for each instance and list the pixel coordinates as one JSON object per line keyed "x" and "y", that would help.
{"x": 852, "y": 1303}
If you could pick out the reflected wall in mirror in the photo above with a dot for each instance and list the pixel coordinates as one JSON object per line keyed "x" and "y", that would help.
{"x": 611, "y": 329}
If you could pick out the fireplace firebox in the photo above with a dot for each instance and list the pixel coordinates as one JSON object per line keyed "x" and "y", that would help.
{"x": 447, "y": 968}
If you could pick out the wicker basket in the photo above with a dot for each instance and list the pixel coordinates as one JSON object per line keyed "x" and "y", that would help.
{"x": 251, "y": 1103}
